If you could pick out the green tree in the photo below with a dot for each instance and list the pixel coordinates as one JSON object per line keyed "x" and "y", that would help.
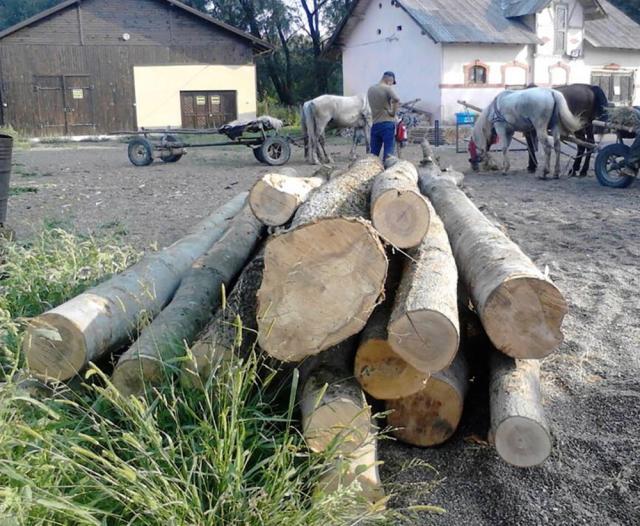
{"x": 15, "y": 11}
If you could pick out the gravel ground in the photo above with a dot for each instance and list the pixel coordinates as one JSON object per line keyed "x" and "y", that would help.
{"x": 588, "y": 236}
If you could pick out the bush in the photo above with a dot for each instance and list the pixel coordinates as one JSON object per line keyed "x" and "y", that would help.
{"x": 290, "y": 115}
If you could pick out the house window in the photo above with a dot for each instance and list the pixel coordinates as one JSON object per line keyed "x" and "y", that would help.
{"x": 477, "y": 75}
{"x": 561, "y": 25}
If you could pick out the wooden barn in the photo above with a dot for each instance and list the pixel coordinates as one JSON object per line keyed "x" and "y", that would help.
{"x": 95, "y": 66}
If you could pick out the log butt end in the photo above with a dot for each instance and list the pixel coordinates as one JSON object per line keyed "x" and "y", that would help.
{"x": 523, "y": 317}
{"x": 426, "y": 339}
{"x": 383, "y": 374}
{"x": 321, "y": 283}
{"x": 522, "y": 442}
{"x": 401, "y": 217}
{"x": 429, "y": 417}
{"x": 270, "y": 205}
{"x": 54, "y": 347}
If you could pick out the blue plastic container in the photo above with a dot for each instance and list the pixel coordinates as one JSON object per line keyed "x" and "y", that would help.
{"x": 465, "y": 118}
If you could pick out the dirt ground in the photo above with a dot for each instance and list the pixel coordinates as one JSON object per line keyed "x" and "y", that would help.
{"x": 587, "y": 235}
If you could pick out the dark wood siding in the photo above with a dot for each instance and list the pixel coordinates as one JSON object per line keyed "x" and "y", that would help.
{"x": 160, "y": 34}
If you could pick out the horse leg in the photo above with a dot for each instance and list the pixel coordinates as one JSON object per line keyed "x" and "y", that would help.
{"x": 367, "y": 137}
{"x": 506, "y": 137}
{"x": 354, "y": 145}
{"x": 543, "y": 137}
{"x": 578, "y": 160}
{"x": 531, "y": 147}
{"x": 557, "y": 146}
{"x": 590, "y": 137}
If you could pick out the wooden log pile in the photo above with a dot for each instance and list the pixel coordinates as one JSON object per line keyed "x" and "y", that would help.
{"x": 329, "y": 294}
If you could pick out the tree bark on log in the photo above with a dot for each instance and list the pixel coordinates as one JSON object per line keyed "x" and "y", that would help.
{"x": 323, "y": 277}
{"x": 520, "y": 308}
{"x": 232, "y": 331}
{"x": 398, "y": 210}
{"x": 424, "y": 328}
{"x": 199, "y": 294}
{"x": 333, "y": 406}
{"x": 62, "y": 341}
{"x": 518, "y": 425}
{"x": 361, "y": 467}
{"x": 431, "y": 416}
{"x": 275, "y": 198}
{"x": 378, "y": 369}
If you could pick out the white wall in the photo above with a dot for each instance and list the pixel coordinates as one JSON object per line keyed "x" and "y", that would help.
{"x": 457, "y": 56}
{"x": 414, "y": 57}
{"x": 158, "y": 90}
{"x": 546, "y": 71}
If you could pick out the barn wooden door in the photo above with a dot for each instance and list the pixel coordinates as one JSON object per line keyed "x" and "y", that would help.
{"x": 65, "y": 104}
{"x": 79, "y": 104}
{"x": 208, "y": 109}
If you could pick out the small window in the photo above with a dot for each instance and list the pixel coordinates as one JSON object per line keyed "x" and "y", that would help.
{"x": 215, "y": 100}
{"x": 379, "y": 31}
{"x": 399, "y": 28}
{"x": 561, "y": 26}
{"x": 477, "y": 75}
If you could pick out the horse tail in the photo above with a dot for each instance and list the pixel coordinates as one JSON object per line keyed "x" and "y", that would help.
{"x": 602, "y": 102}
{"x": 563, "y": 116}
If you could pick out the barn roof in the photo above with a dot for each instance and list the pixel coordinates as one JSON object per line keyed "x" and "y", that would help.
{"x": 258, "y": 44}
{"x": 616, "y": 31}
{"x": 516, "y": 8}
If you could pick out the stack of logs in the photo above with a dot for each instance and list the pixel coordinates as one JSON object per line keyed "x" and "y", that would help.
{"x": 360, "y": 283}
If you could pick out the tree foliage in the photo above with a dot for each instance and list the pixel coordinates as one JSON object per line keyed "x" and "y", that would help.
{"x": 15, "y": 11}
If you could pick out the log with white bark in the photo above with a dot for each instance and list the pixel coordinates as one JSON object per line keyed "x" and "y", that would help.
{"x": 232, "y": 331}
{"x": 359, "y": 467}
{"x": 424, "y": 327}
{"x": 378, "y": 369}
{"x": 334, "y": 410}
{"x": 518, "y": 425}
{"x": 520, "y": 308}
{"x": 431, "y": 416}
{"x": 323, "y": 276}
{"x": 199, "y": 294}
{"x": 62, "y": 341}
{"x": 275, "y": 198}
{"x": 398, "y": 210}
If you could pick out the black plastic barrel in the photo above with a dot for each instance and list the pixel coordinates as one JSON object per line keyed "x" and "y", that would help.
{"x": 6, "y": 149}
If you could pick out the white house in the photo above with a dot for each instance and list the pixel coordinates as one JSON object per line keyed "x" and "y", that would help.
{"x": 443, "y": 51}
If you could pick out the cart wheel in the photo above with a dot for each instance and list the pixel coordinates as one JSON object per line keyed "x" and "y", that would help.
{"x": 276, "y": 151}
{"x": 609, "y": 162}
{"x": 140, "y": 152}
{"x": 174, "y": 157}
{"x": 257, "y": 153}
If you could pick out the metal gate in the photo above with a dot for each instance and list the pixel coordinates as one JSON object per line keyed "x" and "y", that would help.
{"x": 208, "y": 109}
{"x": 65, "y": 104}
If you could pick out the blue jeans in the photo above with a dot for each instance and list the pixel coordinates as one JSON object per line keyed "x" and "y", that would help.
{"x": 383, "y": 133}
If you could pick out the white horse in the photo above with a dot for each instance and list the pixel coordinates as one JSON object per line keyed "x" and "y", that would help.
{"x": 541, "y": 109}
{"x": 335, "y": 112}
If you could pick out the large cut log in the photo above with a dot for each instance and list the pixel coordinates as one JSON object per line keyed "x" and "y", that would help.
{"x": 378, "y": 369}
{"x": 62, "y": 341}
{"x": 424, "y": 328}
{"x": 431, "y": 416}
{"x": 199, "y": 294}
{"x": 275, "y": 198}
{"x": 323, "y": 277}
{"x": 398, "y": 210}
{"x": 518, "y": 425}
{"x": 359, "y": 467}
{"x": 520, "y": 308}
{"x": 232, "y": 331}
{"x": 333, "y": 406}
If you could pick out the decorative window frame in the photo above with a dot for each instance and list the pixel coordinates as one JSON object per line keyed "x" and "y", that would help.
{"x": 559, "y": 65}
{"x": 515, "y": 64}
{"x": 467, "y": 68}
